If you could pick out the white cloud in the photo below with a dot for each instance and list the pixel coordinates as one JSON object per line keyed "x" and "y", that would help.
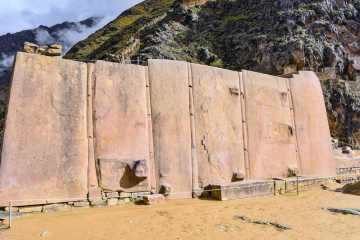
{"x": 68, "y": 37}
{"x": 18, "y": 15}
{"x": 6, "y": 63}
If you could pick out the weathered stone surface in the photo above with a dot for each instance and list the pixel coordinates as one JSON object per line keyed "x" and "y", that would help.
{"x": 44, "y": 152}
{"x": 52, "y": 52}
{"x": 30, "y": 48}
{"x": 94, "y": 194}
{"x": 218, "y": 124}
{"x": 30, "y": 209}
{"x": 78, "y": 208}
{"x": 119, "y": 174}
{"x": 169, "y": 91}
{"x": 125, "y": 195}
{"x": 112, "y": 195}
{"x": 112, "y": 201}
{"x": 238, "y": 190}
{"x": 13, "y": 209}
{"x": 92, "y": 175}
{"x": 100, "y": 205}
{"x": 271, "y": 141}
{"x": 121, "y": 127}
{"x": 312, "y": 128}
{"x": 93, "y": 203}
{"x": 305, "y": 183}
{"x": 81, "y": 204}
{"x": 344, "y": 162}
{"x": 154, "y": 199}
{"x": 56, "y": 46}
{"x": 56, "y": 208}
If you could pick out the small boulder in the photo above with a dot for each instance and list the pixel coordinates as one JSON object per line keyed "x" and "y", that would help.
{"x": 154, "y": 199}
{"x": 52, "y": 52}
{"x": 56, "y": 46}
{"x": 30, "y": 48}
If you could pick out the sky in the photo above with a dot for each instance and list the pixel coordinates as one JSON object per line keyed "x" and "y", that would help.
{"x": 18, "y": 15}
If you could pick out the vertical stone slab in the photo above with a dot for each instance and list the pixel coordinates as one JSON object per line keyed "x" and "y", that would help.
{"x": 169, "y": 89}
{"x": 244, "y": 127}
{"x": 92, "y": 178}
{"x": 312, "y": 128}
{"x": 218, "y": 125}
{"x": 271, "y": 141}
{"x": 121, "y": 127}
{"x": 195, "y": 173}
{"x": 45, "y": 147}
{"x": 150, "y": 134}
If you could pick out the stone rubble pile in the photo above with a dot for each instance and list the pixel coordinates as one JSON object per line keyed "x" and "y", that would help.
{"x": 354, "y": 211}
{"x": 52, "y": 50}
{"x": 351, "y": 188}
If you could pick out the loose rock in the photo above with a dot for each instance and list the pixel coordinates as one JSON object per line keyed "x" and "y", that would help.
{"x": 354, "y": 211}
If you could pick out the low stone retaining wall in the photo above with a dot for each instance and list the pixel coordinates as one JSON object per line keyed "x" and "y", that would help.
{"x": 304, "y": 183}
{"x": 107, "y": 199}
{"x": 350, "y": 170}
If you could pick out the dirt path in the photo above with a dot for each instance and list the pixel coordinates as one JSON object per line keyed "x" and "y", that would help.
{"x": 196, "y": 219}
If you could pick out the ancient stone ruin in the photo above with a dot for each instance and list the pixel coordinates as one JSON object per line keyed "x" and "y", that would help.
{"x": 75, "y": 130}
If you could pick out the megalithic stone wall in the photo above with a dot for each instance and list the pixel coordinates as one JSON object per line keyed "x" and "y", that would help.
{"x": 169, "y": 127}
{"x": 45, "y": 147}
{"x": 218, "y": 124}
{"x": 121, "y": 127}
{"x": 312, "y": 128}
{"x": 271, "y": 141}
{"x": 169, "y": 92}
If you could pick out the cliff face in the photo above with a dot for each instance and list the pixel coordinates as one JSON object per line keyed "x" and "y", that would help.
{"x": 342, "y": 100}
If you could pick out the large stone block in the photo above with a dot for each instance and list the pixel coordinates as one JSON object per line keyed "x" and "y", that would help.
{"x": 246, "y": 189}
{"x": 271, "y": 141}
{"x": 56, "y": 208}
{"x": 31, "y": 209}
{"x": 169, "y": 89}
{"x": 312, "y": 128}
{"x": 94, "y": 194}
{"x": 218, "y": 124}
{"x": 44, "y": 152}
{"x": 121, "y": 129}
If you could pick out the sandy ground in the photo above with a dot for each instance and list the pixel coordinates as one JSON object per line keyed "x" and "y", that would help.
{"x": 196, "y": 219}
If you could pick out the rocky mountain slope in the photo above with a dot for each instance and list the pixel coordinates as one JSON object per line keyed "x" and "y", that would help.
{"x": 42, "y": 35}
{"x": 259, "y": 35}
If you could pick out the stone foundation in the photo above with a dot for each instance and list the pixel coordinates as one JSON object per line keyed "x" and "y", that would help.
{"x": 351, "y": 170}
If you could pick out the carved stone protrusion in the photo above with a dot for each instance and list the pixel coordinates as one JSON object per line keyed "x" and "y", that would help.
{"x": 235, "y": 91}
{"x": 141, "y": 169}
{"x": 293, "y": 171}
{"x": 165, "y": 189}
{"x": 238, "y": 176}
{"x": 123, "y": 174}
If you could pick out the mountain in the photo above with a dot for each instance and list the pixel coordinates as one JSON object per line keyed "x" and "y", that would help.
{"x": 42, "y": 35}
